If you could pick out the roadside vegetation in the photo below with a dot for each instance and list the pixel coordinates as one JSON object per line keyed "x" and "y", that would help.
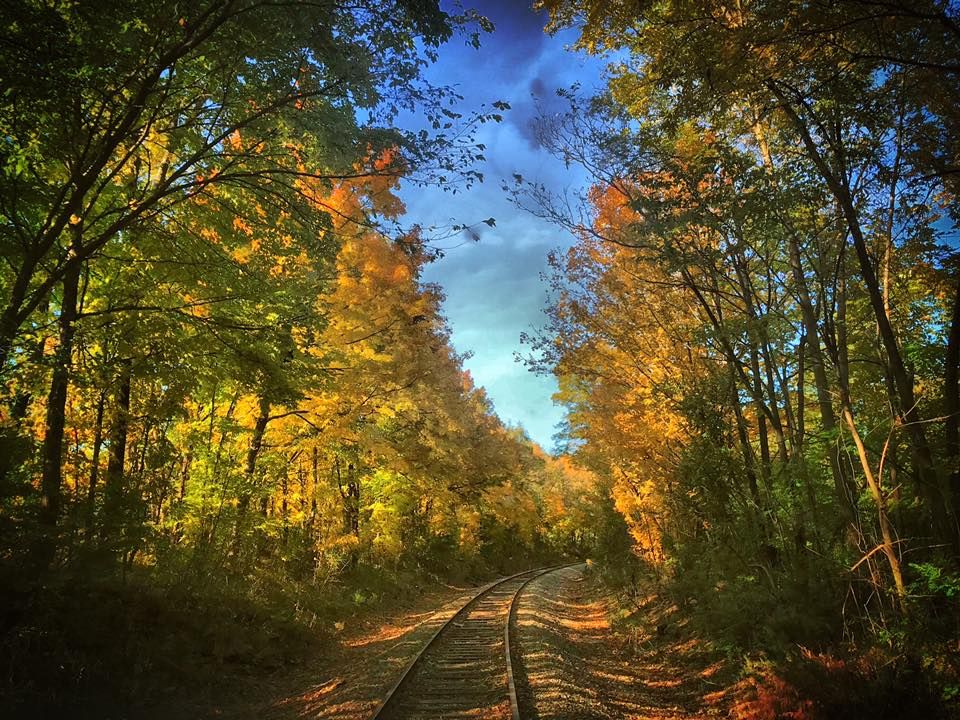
{"x": 757, "y": 333}
{"x": 232, "y": 419}
{"x": 231, "y": 414}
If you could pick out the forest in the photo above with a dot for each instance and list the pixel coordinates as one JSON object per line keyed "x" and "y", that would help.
{"x": 233, "y": 419}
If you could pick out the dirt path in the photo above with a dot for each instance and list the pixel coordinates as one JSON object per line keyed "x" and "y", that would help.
{"x": 576, "y": 666}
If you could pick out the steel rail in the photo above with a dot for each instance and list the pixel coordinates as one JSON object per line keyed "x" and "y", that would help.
{"x": 511, "y": 616}
{"x": 433, "y": 639}
{"x": 463, "y": 610}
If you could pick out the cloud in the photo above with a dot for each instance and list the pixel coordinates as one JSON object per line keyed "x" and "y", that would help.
{"x": 534, "y": 91}
{"x": 494, "y": 293}
{"x": 541, "y": 101}
{"x": 518, "y": 33}
{"x": 492, "y": 285}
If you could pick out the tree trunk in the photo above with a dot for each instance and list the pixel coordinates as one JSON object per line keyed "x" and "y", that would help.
{"x": 284, "y": 504}
{"x": 880, "y": 500}
{"x": 801, "y": 397}
{"x": 746, "y": 451}
{"x": 95, "y": 464}
{"x": 185, "y": 476}
{"x": 351, "y": 499}
{"x": 250, "y": 469}
{"x": 937, "y": 502}
{"x": 844, "y": 486}
{"x": 114, "y": 490}
{"x": 765, "y": 460}
{"x": 10, "y": 320}
{"x": 922, "y": 456}
{"x": 52, "y": 477}
{"x": 21, "y": 402}
{"x": 951, "y": 403}
{"x": 353, "y": 493}
{"x": 315, "y": 469}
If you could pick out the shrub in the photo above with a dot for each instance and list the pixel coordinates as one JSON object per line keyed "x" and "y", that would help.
{"x": 820, "y": 686}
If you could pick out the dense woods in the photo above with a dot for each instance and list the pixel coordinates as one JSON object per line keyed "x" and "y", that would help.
{"x": 758, "y": 331}
{"x": 231, "y": 411}
{"x": 209, "y": 337}
{"x": 223, "y": 376}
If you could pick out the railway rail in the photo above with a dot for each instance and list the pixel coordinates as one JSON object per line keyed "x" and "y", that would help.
{"x": 466, "y": 669}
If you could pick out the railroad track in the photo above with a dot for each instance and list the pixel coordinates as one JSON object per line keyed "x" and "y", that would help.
{"x": 465, "y": 670}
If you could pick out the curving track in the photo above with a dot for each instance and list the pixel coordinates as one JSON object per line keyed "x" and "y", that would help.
{"x": 465, "y": 670}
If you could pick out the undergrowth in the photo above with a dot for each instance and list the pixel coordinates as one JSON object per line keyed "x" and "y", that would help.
{"x": 92, "y": 641}
{"x": 797, "y": 659}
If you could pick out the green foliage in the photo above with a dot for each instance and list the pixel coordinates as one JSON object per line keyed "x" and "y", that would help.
{"x": 933, "y": 580}
{"x": 611, "y": 548}
{"x": 225, "y": 383}
{"x": 757, "y": 332}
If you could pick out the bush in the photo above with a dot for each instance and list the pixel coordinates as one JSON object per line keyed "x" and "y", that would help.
{"x": 98, "y": 644}
{"x": 815, "y": 686}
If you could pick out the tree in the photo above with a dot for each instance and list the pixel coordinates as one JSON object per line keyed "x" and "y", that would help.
{"x": 156, "y": 130}
{"x": 824, "y": 78}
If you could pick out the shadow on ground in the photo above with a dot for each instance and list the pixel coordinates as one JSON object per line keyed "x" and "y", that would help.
{"x": 575, "y": 665}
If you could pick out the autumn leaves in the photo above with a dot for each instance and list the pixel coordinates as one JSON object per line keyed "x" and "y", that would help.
{"x": 757, "y": 332}
{"x": 215, "y": 342}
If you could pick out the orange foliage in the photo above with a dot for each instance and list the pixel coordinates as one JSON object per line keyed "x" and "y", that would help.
{"x": 617, "y": 357}
{"x": 770, "y": 697}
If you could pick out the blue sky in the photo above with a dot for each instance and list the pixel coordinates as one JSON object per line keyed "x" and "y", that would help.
{"x": 493, "y": 286}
